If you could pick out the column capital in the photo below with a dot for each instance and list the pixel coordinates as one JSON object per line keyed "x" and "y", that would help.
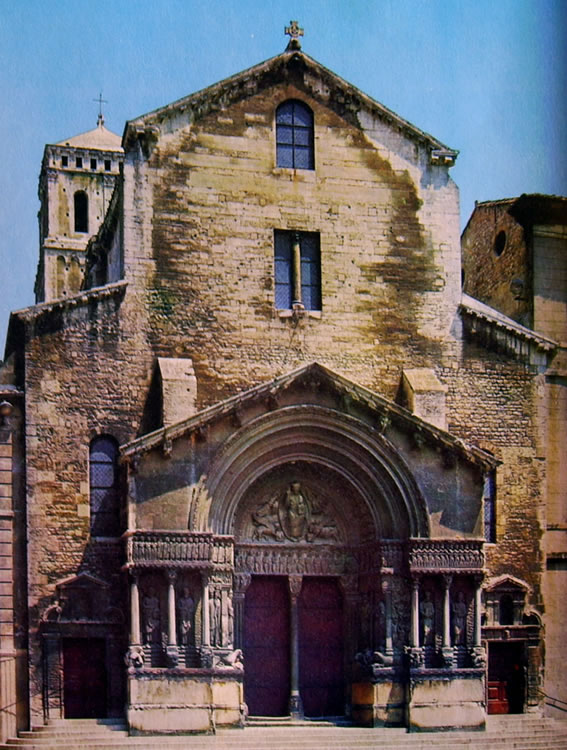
{"x": 171, "y": 575}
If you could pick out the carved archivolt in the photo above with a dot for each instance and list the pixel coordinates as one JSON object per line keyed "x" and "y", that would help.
{"x": 339, "y": 445}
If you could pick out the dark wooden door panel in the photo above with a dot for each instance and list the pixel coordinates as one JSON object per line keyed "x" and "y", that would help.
{"x": 506, "y": 681}
{"x": 84, "y": 678}
{"x": 321, "y": 677}
{"x": 266, "y": 647}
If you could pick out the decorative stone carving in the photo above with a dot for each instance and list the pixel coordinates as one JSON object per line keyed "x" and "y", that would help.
{"x": 134, "y": 657}
{"x": 459, "y": 612}
{"x": 151, "y": 614}
{"x": 435, "y": 555}
{"x": 151, "y": 547}
{"x": 230, "y": 660}
{"x": 415, "y": 657}
{"x": 186, "y": 613}
{"x": 293, "y": 516}
{"x": 479, "y": 657}
{"x": 215, "y": 618}
{"x": 427, "y": 619}
{"x": 229, "y": 621}
{"x": 295, "y": 583}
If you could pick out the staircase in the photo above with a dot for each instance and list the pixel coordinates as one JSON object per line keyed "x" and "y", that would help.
{"x": 526, "y": 732}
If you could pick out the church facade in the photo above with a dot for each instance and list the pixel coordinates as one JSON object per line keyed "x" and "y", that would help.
{"x": 269, "y": 460}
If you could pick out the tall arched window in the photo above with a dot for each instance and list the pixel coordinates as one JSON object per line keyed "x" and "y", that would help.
{"x": 81, "y": 211}
{"x": 104, "y": 487}
{"x": 294, "y": 135}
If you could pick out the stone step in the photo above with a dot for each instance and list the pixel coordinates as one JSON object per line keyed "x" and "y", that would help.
{"x": 503, "y": 733}
{"x": 216, "y": 742}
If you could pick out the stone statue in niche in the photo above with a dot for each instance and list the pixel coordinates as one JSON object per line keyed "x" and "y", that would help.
{"x": 459, "y": 611}
{"x": 365, "y": 616}
{"x": 379, "y": 624}
{"x": 427, "y": 612}
{"x": 150, "y": 610}
{"x": 294, "y": 513}
{"x": 186, "y": 611}
{"x": 228, "y": 637}
{"x": 215, "y": 618}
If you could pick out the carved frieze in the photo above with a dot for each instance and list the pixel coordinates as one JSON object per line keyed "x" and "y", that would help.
{"x": 272, "y": 560}
{"x": 154, "y": 547}
{"x": 439, "y": 555}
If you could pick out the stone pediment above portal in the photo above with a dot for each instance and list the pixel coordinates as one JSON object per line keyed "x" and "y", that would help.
{"x": 368, "y": 468}
{"x": 311, "y": 384}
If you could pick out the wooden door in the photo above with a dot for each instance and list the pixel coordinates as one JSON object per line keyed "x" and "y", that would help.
{"x": 321, "y": 675}
{"x": 505, "y": 684}
{"x": 266, "y": 646}
{"x": 84, "y": 678}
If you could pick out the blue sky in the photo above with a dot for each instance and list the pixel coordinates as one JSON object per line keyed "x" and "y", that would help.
{"x": 487, "y": 77}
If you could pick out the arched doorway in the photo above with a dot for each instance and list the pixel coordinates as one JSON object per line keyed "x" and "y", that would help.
{"x": 309, "y": 496}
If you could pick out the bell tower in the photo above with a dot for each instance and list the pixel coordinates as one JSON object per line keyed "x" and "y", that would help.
{"x": 76, "y": 182}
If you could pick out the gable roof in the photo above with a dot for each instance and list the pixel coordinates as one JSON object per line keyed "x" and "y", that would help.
{"x": 339, "y": 95}
{"x": 349, "y": 392}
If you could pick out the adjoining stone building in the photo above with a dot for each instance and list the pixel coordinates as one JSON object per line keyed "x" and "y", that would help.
{"x": 272, "y": 454}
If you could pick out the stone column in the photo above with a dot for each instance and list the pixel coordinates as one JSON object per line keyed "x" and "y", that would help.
{"x": 135, "y": 631}
{"x": 414, "y": 626}
{"x": 388, "y": 615}
{"x": 414, "y": 651}
{"x": 296, "y": 260}
{"x": 477, "y": 634}
{"x": 171, "y": 617}
{"x": 295, "y": 702}
{"x": 172, "y": 650}
{"x": 206, "y": 630}
{"x": 446, "y": 650}
{"x": 478, "y": 652}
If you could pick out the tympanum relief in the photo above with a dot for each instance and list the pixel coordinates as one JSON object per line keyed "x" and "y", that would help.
{"x": 293, "y": 515}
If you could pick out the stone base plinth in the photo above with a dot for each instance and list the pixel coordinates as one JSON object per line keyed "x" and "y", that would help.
{"x": 179, "y": 701}
{"x": 439, "y": 702}
{"x": 378, "y": 704}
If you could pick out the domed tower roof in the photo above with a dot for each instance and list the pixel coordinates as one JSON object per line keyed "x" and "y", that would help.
{"x": 100, "y": 138}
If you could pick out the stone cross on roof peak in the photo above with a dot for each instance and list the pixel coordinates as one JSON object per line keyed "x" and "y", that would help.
{"x": 101, "y": 101}
{"x": 294, "y": 31}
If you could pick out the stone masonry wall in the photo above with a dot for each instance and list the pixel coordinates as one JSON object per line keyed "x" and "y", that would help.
{"x": 93, "y": 379}
{"x": 491, "y": 277}
{"x": 199, "y": 220}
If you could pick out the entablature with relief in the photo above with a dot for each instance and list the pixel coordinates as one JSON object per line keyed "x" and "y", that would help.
{"x": 187, "y": 549}
{"x": 446, "y": 556}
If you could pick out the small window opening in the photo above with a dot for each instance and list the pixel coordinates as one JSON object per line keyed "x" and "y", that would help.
{"x": 93, "y": 164}
{"x": 64, "y": 161}
{"x": 297, "y": 260}
{"x": 107, "y": 165}
{"x": 506, "y": 615}
{"x": 79, "y": 162}
{"x": 500, "y": 243}
{"x": 489, "y": 500}
{"x": 81, "y": 211}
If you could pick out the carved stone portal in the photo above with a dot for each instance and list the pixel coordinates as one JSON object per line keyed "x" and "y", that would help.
{"x": 293, "y": 516}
